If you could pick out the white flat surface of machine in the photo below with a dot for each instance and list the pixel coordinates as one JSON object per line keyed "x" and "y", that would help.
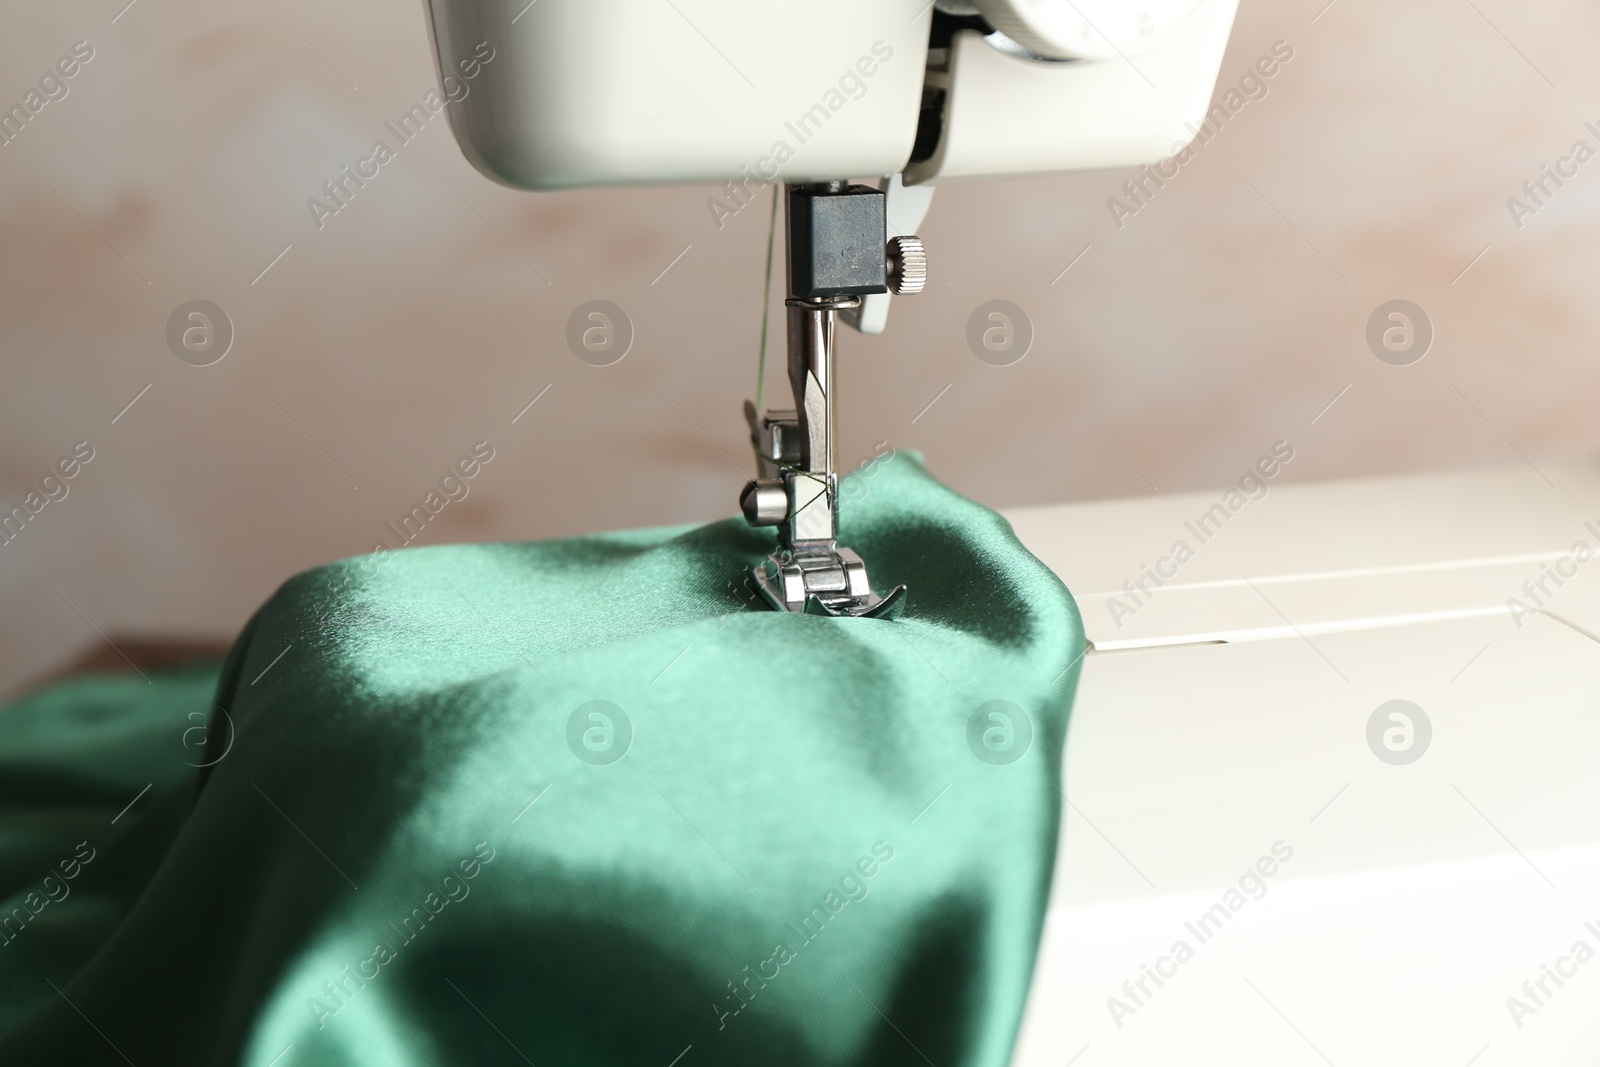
{"x": 1242, "y": 878}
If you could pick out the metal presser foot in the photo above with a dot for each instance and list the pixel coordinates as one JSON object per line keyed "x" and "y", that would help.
{"x": 837, "y": 254}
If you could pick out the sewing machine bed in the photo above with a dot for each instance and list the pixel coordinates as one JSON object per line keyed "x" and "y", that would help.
{"x": 1235, "y": 849}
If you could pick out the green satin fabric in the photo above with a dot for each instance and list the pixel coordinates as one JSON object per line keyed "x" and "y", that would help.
{"x": 415, "y": 843}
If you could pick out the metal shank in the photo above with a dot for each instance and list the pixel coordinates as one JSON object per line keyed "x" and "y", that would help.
{"x": 836, "y": 255}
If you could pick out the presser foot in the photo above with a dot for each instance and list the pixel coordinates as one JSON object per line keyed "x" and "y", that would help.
{"x": 838, "y": 256}
{"x": 829, "y": 582}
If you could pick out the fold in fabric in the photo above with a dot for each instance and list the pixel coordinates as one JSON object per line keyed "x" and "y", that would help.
{"x": 574, "y": 802}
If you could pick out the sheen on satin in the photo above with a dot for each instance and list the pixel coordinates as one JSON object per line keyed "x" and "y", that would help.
{"x": 414, "y": 845}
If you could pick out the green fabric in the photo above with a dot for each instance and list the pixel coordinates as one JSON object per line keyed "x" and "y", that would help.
{"x": 415, "y": 844}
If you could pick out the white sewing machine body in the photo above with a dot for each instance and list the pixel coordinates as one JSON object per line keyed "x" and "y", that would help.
{"x": 614, "y": 92}
{"x": 1229, "y": 714}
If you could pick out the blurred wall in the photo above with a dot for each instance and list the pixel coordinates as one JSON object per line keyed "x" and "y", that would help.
{"x": 1223, "y": 315}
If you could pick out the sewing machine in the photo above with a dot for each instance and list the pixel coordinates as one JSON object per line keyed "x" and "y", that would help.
{"x": 611, "y": 93}
{"x": 1343, "y": 731}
